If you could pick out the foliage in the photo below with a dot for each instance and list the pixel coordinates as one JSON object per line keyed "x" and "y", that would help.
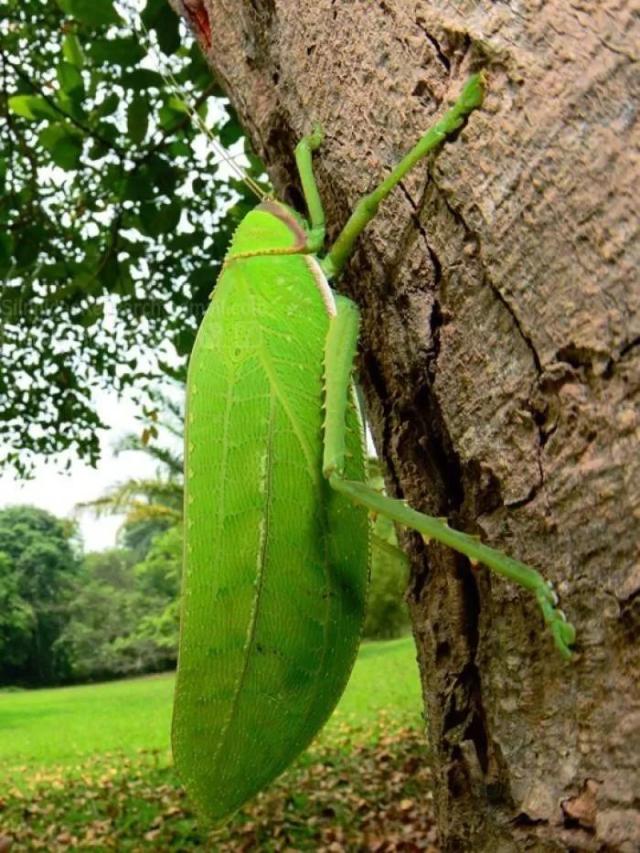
{"x": 100, "y": 613}
{"x": 66, "y": 618}
{"x": 38, "y": 567}
{"x": 158, "y": 581}
{"x": 111, "y": 567}
{"x": 387, "y": 614}
{"x": 124, "y": 616}
{"x": 17, "y": 618}
{"x": 112, "y": 214}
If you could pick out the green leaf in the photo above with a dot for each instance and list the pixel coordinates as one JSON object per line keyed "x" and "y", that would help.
{"x": 6, "y": 250}
{"x": 29, "y": 242}
{"x": 33, "y": 107}
{"x": 108, "y": 106}
{"x": 202, "y": 278}
{"x": 63, "y": 143}
{"x": 142, "y": 78}
{"x": 91, "y": 315}
{"x": 70, "y": 104}
{"x": 138, "y": 186}
{"x": 160, "y": 219}
{"x": 162, "y": 174}
{"x": 109, "y": 271}
{"x": 118, "y": 51}
{"x": 183, "y": 341}
{"x": 72, "y": 50}
{"x": 169, "y": 118}
{"x": 199, "y": 72}
{"x": 138, "y": 119}
{"x": 167, "y": 31}
{"x": 256, "y": 165}
{"x": 151, "y": 11}
{"x": 180, "y": 148}
{"x": 69, "y": 77}
{"x": 54, "y": 271}
{"x": 96, "y": 13}
{"x": 158, "y": 16}
{"x": 97, "y": 150}
{"x": 230, "y": 132}
{"x": 125, "y": 285}
{"x": 177, "y": 103}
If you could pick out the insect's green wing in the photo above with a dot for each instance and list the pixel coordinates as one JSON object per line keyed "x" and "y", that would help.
{"x": 276, "y": 563}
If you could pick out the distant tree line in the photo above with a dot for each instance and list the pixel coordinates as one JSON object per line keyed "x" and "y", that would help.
{"x": 66, "y": 617}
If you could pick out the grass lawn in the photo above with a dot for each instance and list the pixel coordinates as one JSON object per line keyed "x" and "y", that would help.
{"x": 44, "y": 728}
{"x": 89, "y": 768}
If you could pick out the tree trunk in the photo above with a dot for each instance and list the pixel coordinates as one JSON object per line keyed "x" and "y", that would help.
{"x": 499, "y": 357}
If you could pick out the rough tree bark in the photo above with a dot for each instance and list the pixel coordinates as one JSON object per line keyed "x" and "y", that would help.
{"x": 499, "y": 357}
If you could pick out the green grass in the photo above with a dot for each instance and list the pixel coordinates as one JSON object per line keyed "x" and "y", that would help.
{"x": 63, "y": 726}
{"x": 89, "y": 768}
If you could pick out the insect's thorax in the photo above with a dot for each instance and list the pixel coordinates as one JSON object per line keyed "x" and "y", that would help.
{"x": 271, "y": 227}
{"x": 269, "y": 269}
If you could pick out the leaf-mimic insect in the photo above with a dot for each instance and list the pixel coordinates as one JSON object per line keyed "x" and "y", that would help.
{"x": 277, "y": 530}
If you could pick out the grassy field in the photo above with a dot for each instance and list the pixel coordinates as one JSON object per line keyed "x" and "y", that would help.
{"x": 89, "y": 768}
{"x": 43, "y": 728}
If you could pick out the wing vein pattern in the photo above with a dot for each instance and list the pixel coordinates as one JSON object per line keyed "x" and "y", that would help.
{"x": 263, "y": 553}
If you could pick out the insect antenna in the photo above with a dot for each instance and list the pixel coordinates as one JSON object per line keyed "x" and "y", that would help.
{"x": 167, "y": 75}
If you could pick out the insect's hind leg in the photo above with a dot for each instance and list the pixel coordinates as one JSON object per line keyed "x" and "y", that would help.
{"x": 340, "y": 351}
{"x": 438, "y": 529}
{"x": 304, "y": 150}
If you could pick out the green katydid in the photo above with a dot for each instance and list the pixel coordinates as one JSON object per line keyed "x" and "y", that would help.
{"x": 277, "y": 527}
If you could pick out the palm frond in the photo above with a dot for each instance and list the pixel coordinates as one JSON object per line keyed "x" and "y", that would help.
{"x": 122, "y": 496}
{"x": 151, "y": 512}
{"x": 170, "y": 459}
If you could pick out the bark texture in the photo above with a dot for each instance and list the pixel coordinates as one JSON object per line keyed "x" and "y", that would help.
{"x": 499, "y": 356}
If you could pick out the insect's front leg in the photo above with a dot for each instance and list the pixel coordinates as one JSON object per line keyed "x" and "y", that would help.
{"x": 340, "y": 351}
{"x": 304, "y": 150}
{"x": 470, "y": 99}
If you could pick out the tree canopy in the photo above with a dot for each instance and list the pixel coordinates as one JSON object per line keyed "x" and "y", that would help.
{"x": 38, "y": 569}
{"x": 123, "y": 619}
{"x": 114, "y": 211}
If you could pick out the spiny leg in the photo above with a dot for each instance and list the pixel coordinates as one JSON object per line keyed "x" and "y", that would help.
{"x": 365, "y": 210}
{"x": 303, "y": 154}
{"x": 340, "y": 351}
{"x": 438, "y": 529}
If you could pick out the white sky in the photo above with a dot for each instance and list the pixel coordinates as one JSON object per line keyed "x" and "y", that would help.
{"x": 59, "y": 492}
